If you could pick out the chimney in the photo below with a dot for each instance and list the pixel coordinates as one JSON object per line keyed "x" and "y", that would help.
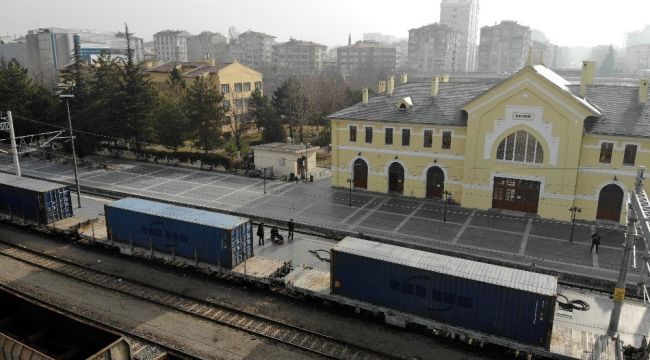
{"x": 434, "y": 86}
{"x": 382, "y": 87}
{"x": 390, "y": 87}
{"x": 403, "y": 79}
{"x": 643, "y": 92}
{"x": 588, "y": 69}
{"x": 365, "y": 95}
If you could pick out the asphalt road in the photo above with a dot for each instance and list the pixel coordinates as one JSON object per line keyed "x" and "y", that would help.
{"x": 519, "y": 240}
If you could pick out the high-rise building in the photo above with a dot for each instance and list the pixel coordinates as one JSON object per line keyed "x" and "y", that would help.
{"x": 365, "y": 58}
{"x": 254, "y": 49}
{"x": 208, "y": 45}
{"x": 14, "y": 49}
{"x": 638, "y": 37}
{"x": 52, "y": 49}
{"x": 462, "y": 15}
{"x": 543, "y": 52}
{"x": 297, "y": 57}
{"x": 433, "y": 49}
{"x": 171, "y": 45}
{"x": 504, "y": 47}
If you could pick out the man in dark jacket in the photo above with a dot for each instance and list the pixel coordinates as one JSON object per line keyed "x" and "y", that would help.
{"x": 291, "y": 226}
{"x": 595, "y": 241}
{"x": 260, "y": 234}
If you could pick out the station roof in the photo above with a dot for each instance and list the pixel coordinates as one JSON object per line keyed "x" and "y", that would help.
{"x": 187, "y": 214}
{"x": 443, "y": 109}
{"x": 28, "y": 184}
{"x": 453, "y": 266}
{"x": 615, "y": 106}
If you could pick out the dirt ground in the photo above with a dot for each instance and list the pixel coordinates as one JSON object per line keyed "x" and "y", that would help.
{"x": 209, "y": 338}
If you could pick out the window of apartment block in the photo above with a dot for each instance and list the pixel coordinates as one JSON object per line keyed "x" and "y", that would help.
{"x": 630, "y": 154}
{"x": 406, "y": 137}
{"x": 368, "y": 135}
{"x": 606, "y": 152}
{"x": 226, "y": 104}
{"x": 446, "y": 139}
{"x": 389, "y": 136}
{"x": 353, "y": 133}
{"x": 238, "y": 87}
{"x": 258, "y": 85}
{"x": 428, "y": 138}
{"x": 239, "y": 103}
{"x": 225, "y": 88}
{"x": 247, "y": 86}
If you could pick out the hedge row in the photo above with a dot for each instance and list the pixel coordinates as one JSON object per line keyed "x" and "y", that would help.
{"x": 182, "y": 156}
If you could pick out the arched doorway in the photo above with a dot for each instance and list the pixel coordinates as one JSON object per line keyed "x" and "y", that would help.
{"x": 435, "y": 182}
{"x": 610, "y": 202}
{"x": 396, "y": 178}
{"x": 360, "y": 174}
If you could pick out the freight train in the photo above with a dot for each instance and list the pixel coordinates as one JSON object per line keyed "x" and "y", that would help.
{"x": 505, "y": 302}
{"x": 508, "y": 306}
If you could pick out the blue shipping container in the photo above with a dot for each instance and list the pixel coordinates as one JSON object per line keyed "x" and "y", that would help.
{"x": 493, "y": 299}
{"x": 204, "y": 236}
{"x": 34, "y": 201}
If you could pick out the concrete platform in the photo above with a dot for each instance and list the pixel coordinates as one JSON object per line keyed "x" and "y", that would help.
{"x": 308, "y": 281}
{"x": 302, "y": 251}
{"x": 259, "y": 269}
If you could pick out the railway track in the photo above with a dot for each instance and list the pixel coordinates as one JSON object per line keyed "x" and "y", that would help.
{"x": 271, "y": 329}
{"x": 142, "y": 346}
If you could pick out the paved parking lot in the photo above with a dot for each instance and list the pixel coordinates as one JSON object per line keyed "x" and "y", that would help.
{"x": 485, "y": 234}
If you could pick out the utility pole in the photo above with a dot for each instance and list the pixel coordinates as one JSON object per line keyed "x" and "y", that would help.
{"x": 14, "y": 148}
{"x": 630, "y": 236}
{"x": 74, "y": 155}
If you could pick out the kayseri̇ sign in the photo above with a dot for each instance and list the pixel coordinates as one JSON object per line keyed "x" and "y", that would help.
{"x": 523, "y": 116}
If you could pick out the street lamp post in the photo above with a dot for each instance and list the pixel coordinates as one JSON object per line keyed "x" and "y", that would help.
{"x": 574, "y": 210}
{"x": 74, "y": 156}
{"x": 444, "y": 214}
{"x": 350, "y": 182}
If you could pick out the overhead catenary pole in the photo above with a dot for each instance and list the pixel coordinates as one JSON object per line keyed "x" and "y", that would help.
{"x": 14, "y": 148}
{"x": 621, "y": 284}
{"x": 74, "y": 156}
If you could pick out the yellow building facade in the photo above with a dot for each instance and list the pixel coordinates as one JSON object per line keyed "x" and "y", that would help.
{"x": 235, "y": 81}
{"x": 532, "y": 143}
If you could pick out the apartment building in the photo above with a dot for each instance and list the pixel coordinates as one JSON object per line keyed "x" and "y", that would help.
{"x": 297, "y": 57}
{"x": 503, "y": 47}
{"x": 433, "y": 49}
{"x": 171, "y": 45}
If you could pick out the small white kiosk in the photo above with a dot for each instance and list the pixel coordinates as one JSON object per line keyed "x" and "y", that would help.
{"x": 286, "y": 159}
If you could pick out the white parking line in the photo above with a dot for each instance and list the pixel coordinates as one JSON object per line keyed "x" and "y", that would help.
{"x": 464, "y": 227}
{"x": 407, "y": 218}
{"x": 524, "y": 240}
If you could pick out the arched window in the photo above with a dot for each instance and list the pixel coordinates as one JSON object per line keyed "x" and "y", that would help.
{"x": 522, "y": 147}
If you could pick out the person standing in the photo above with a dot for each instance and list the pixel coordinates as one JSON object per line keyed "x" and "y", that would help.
{"x": 260, "y": 234}
{"x": 291, "y": 226}
{"x": 595, "y": 241}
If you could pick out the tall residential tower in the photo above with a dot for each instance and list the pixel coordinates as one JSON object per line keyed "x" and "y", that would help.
{"x": 462, "y": 15}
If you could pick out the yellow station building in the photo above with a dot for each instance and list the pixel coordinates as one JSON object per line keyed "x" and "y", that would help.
{"x": 533, "y": 143}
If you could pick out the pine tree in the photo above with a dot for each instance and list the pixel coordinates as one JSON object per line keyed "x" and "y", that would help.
{"x": 205, "y": 112}
{"x": 171, "y": 123}
{"x": 137, "y": 98}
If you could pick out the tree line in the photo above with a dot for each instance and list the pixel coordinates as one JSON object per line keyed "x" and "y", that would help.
{"x": 114, "y": 99}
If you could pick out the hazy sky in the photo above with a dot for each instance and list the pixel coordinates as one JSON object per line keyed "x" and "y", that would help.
{"x": 565, "y": 22}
